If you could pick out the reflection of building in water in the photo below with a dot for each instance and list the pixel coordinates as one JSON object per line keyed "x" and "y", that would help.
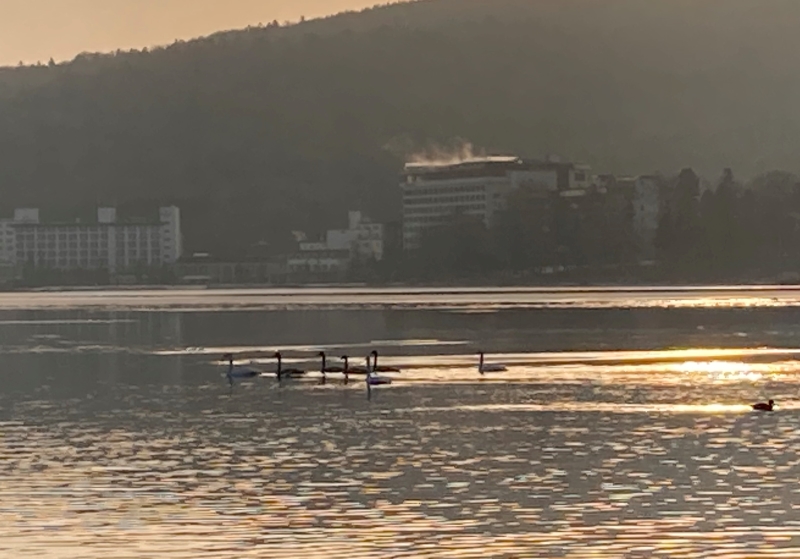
{"x": 147, "y": 333}
{"x": 105, "y": 243}
{"x": 167, "y": 328}
{"x": 172, "y": 329}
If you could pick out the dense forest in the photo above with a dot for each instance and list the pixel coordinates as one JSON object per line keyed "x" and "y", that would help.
{"x": 273, "y": 128}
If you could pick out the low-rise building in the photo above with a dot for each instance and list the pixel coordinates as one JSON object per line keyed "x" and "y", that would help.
{"x": 363, "y": 237}
{"x": 319, "y": 261}
{"x": 204, "y": 269}
{"x": 362, "y": 241}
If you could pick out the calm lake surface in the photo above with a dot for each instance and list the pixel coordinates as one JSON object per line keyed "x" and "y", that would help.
{"x": 621, "y": 428}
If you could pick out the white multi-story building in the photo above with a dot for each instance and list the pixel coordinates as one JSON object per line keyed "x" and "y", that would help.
{"x": 642, "y": 194}
{"x": 105, "y": 244}
{"x": 363, "y": 239}
{"x": 434, "y": 192}
{"x": 8, "y": 245}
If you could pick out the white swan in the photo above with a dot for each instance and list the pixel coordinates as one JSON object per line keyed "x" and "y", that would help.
{"x": 236, "y": 372}
{"x": 373, "y": 379}
{"x": 490, "y": 367}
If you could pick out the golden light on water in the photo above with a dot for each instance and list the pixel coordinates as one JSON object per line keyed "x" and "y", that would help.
{"x": 587, "y": 446}
{"x": 721, "y": 370}
{"x": 711, "y": 409}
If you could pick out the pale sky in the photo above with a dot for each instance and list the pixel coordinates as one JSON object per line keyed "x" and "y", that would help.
{"x": 35, "y": 30}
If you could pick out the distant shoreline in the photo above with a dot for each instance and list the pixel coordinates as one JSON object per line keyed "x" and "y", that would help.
{"x": 434, "y": 287}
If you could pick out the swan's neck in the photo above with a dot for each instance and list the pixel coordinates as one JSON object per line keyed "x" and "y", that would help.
{"x": 323, "y": 363}
{"x": 480, "y": 365}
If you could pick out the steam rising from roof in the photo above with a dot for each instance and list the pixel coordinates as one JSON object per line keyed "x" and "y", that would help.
{"x": 462, "y": 152}
{"x": 446, "y": 155}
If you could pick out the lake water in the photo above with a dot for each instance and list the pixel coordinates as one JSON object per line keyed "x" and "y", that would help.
{"x": 620, "y": 429}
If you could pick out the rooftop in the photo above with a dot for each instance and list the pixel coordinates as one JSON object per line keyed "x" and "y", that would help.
{"x": 463, "y": 163}
{"x": 104, "y": 216}
{"x": 476, "y": 167}
{"x": 492, "y": 166}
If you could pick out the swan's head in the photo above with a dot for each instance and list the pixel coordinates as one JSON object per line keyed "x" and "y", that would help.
{"x": 374, "y": 353}
{"x": 321, "y": 354}
{"x": 277, "y": 355}
{"x": 771, "y": 402}
{"x": 227, "y": 357}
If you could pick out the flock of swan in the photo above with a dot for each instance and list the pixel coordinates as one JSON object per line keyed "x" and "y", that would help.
{"x": 368, "y": 371}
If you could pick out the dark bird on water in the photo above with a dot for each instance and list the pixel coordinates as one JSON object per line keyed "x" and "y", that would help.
{"x": 290, "y": 372}
{"x": 761, "y": 406}
{"x": 381, "y": 368}
{"x": 324, "y": 369}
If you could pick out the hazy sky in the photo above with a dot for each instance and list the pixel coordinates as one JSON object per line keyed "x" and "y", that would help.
{"x": 35, "y": 30}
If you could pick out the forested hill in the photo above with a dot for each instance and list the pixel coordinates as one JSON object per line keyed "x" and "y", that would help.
{"x": 260, "y": 131}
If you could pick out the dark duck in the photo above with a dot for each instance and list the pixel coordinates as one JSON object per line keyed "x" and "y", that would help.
{"x": 761, "y": 406}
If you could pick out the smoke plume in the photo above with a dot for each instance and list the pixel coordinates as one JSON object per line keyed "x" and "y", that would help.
{"x": 457, "y": 150}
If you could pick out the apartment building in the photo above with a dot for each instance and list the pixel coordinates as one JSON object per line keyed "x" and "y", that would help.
{"x": 106, "y": 243}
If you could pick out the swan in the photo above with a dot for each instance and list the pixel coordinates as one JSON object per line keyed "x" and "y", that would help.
{"x": 288, "y": 373}
{"x": 489, "y": 367}
{"x": 373, "y": 379}
{"x": 761, "y": 406}
{"x": 381, "y": 368}
{"x": 325, "y": 369}
{"x": 354, "y": 370}
{"x": 357, "y": 370}
{"x": 237, "y": 372}
{"x": 347, "y": 370}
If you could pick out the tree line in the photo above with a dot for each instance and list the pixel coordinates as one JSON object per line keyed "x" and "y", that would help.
{"x": 724, "y": 231}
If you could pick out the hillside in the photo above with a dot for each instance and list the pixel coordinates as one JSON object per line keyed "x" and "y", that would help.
{"x": 259, "y": 131}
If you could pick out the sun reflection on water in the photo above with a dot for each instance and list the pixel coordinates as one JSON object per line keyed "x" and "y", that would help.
{"x": 722, "y": 370}
{"x": 597, "y": 450}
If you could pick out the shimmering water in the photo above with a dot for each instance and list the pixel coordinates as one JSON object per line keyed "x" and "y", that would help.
{"x": 621, "y": 428}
